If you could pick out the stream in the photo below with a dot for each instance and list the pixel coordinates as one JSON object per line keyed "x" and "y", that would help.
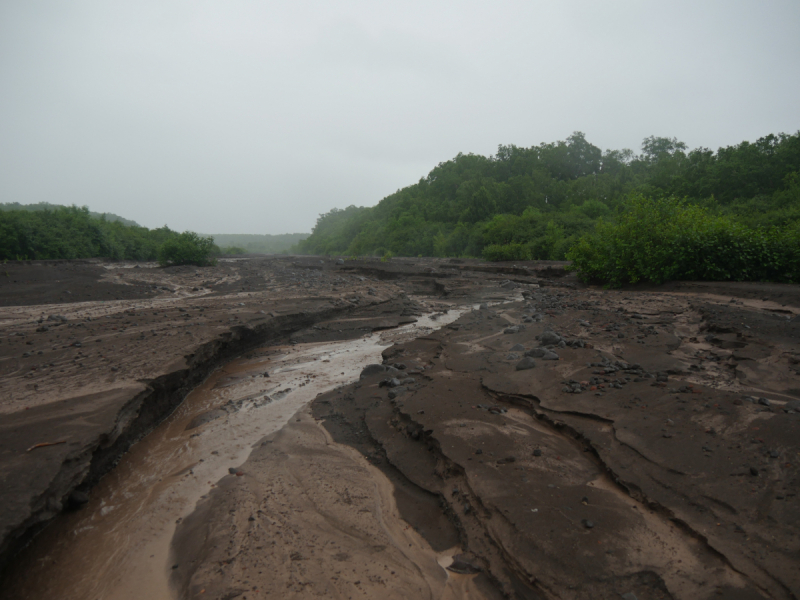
{"x": 118, "y": 545}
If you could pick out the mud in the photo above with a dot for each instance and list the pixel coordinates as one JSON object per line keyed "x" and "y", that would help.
{"x": 648, "y": 446}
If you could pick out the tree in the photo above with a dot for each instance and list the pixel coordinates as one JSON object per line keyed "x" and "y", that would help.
{"x": 187, "y": 248}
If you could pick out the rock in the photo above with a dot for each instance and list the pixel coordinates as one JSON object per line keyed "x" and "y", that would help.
{"x": 536, "y": 352}
{"x": 537, "y": 452}
{"x": 550, "y": 356}
{"x": 395, "y": 392}
{"x": 550, "y": 338}
{"x": 525, "y": 363}
{"x": 77, "y": 499}
{"x": 463, "y": 566}
{"x": 753, "y": 471}
{"x": 370, "y": 370}
{"x": 512, "y": 356}
{"x": 763, "y": 402}
{"x": 517, "y": 348}
{"x": 483, "y": 307}
{"x": 393, "y": 382}
{"x": 512, "y": 329}
{"x": 339, "y": 261}
{"x": 629, "y": 596}
{"x": 587, "y": 523}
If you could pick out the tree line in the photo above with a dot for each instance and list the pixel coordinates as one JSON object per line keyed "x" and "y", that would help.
{"x": 540, "y": 202}
{"x": 71, "y": 232}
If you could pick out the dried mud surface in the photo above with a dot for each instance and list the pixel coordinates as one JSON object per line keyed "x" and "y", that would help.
{"x": 645, "y": 447}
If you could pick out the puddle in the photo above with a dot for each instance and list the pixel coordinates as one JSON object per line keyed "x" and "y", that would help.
{"x": 117, "y": 546}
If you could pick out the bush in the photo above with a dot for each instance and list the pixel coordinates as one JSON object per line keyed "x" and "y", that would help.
{"x": 232, "y": 250}
{"x": 668, "y": 239}
{"x": 187, "y": 248}
{"x": 498, "y": 252}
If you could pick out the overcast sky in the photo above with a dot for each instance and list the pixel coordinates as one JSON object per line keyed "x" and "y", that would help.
{"x": 251, "y": 116}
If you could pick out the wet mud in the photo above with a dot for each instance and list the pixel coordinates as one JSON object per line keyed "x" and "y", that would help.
{"x": 517, "y": 434}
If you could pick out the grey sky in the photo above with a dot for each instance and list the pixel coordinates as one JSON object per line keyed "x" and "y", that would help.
{"x": 246, "y": 116}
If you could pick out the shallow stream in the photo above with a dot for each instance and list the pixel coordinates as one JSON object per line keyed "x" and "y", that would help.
{"x": 118, "y": 545}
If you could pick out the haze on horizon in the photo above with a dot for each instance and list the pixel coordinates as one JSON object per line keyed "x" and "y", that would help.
{"x": 254, "y": 117}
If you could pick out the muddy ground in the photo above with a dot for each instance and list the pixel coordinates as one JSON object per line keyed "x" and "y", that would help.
{"x": 556, "y": 441}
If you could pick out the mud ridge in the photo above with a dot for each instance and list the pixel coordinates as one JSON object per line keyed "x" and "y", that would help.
{"x": 143, "y": 412}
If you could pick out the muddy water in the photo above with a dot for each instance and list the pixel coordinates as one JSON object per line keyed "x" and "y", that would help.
{"x": 117, "y": 546}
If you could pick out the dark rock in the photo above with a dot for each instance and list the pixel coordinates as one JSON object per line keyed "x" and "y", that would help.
{"x": 395, "y": 392}
{"x": 537, "y": 452}
{"x": 512, "y": 329}
{"x": 77, "y": 499}
{"x": 753, "y": 471}
{"x": 550, "y": 338}
{"x": 517, "y": 348}
{"x": 372, "y": 370}
{"x": 536, "y": 352}
{"x": 525, "y": 363}
{"x": 587, "y": 523}
{"x": 550, "y": 356}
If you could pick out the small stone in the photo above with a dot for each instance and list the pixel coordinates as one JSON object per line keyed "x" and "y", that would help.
{"x": 525, "y": 364}
{"x": 536, "y": 352}
{"x": 517, "y": 348}
{"x": 550, "y": 338}
{"x": 753, "y": 471}
{"x": 537, "y": 452}
{"x": 588, "y": 524}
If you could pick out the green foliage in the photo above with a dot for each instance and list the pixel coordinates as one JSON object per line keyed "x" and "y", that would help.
{"x": 542, "y": 201}
{"x": 668, "y": 239}
{"x": 71, "y": 232}
{"x": 187, "y": 248}
{"x": 497, "y": 252}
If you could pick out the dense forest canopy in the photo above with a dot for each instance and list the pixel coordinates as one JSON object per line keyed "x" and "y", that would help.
{"x": 537, "y": 202}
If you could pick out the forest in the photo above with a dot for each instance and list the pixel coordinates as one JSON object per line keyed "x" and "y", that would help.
{"x": 552, "y": 201}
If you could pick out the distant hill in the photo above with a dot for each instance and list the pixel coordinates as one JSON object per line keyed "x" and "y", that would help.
{"x": 258, "y": 243}
{"x": 111, "y": 217}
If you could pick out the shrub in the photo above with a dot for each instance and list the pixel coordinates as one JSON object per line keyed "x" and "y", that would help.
{"x": 498, "y": 252}
{"x": 187, "y": 248}
{"x": 668, "y": 239}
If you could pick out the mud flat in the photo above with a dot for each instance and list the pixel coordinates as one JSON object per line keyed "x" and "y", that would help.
{"x": 555, "y": 441}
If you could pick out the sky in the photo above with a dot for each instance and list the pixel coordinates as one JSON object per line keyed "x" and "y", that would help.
{"x": 253, "y": 116}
